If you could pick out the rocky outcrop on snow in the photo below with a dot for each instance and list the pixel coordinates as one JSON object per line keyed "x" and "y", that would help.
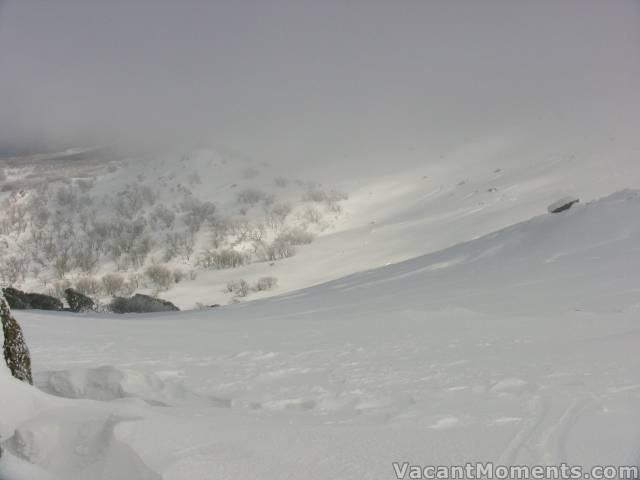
{"x": 563, "y": 204}
{"x": 77, "y": 301}
{"x": 16, "y": 352}
{"x": 20, "y": 300}
{"x": 17, "y": 299}
{"x": 140, "y": 303}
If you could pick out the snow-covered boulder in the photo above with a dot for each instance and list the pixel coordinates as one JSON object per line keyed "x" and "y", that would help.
{"x": 563, "y": 204}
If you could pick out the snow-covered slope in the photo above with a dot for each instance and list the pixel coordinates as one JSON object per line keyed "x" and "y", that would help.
{"x": 399, "y": 208}
{"x": 421, "y": 205}
{"x": 516, "y": 347}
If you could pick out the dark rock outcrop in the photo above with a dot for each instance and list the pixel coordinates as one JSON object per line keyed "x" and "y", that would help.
{"x": 44, "y": 302}
{"x": 17, "y": 299}
{"x": 77, "y": 301}
{"x": 563, "y": 204}
{"x": 141, "y": 304}
{"x": 16, "y": 352}
{"x": 20, "y": 300}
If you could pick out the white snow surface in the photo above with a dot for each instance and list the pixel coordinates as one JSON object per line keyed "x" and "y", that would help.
{"x": 514, "y": 347}
{"x": 421, "y": 204}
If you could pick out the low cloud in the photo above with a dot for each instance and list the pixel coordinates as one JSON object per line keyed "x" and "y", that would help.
{"x": 306, "y": 80}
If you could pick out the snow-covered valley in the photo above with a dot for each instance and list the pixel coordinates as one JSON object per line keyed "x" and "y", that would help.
{"x": 515, "y": 347}
{"x": 314, "y": 240}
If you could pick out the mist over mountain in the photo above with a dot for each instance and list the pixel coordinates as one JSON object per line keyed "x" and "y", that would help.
{"x": 354, "y": 82}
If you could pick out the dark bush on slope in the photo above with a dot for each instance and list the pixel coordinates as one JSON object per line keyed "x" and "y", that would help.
{"x": 141, "y": 304}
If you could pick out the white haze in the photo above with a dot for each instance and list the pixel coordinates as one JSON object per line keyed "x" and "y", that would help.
{"x": 360, "y": 82}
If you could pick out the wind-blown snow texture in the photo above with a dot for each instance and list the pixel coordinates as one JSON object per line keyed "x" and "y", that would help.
{"x": 515, "y": 347}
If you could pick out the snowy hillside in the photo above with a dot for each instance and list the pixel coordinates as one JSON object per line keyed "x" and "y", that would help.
{"x": 513, "y": 347}
{"x": 210, "y": 219}
{"x": 319, "y": 240}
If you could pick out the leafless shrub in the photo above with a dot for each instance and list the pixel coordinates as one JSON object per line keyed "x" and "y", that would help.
{"x": 195, "y": 212}
{"x": 194, "y": 179}
{"x": 250, "y": 172}
{"x": 85, "y": 184}
{"x": 160, "y": 276}
{"x": 99, "y": 232}
{"x": 131, "y": 285}
{"x": 15, "y": 220}
{"x": 220, "y": 227}
{"x": 269, "y": 200}
{"x": 315, "y": 194}
{"x": 138, "y": 253}
{"x": 240, "y": 288}
{"x": 278, "y": 249}
{"x": 333, "y": 207}
{"x": 67, "y": 197}
{"x": 281, "y": 182}
{"x": 311, "y": 215}
{"x": 162, "y": 216}
{"x": 255, "y": 233}
{"x": 179, "y": 244}
{"x": 84, "y": 218}
{"x": 251, "y": 196}
{"x": 13, "y": 269}
{"x": 128, "y": 242}
{"x": 297, "y": 236}
{"x": 63, "y": 260}
{"x": 88, "y": 286}
{"x": 221, "y": 259}
{"x": 265, "y": 283}
{"x": 283, "y": 248}
{"x": 57, "y": 288}
{"x": 277, "y": 215}
{"x": 86, "y": 257}
{"x": 132, "y": 199}
{"x": 178, "y": 275}
{"x": 39, "y": 213}
{"x": 240, "y": 229}
{"x": 112, "y": 283}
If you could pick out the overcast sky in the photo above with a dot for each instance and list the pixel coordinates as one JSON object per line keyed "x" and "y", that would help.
{"x": 313, "y": 78}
